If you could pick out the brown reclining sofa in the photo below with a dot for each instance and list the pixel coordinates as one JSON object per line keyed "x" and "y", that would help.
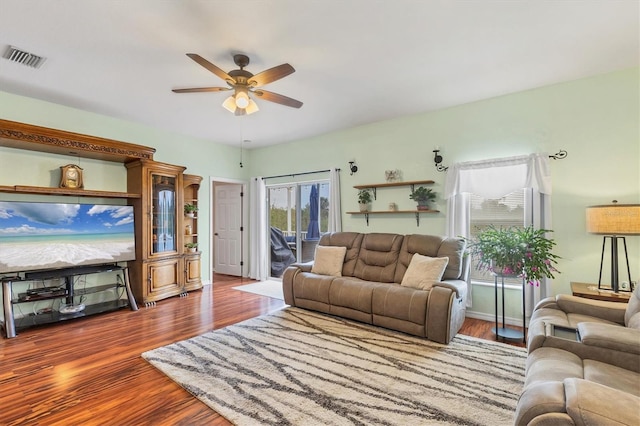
{"x": 370, "y": 287}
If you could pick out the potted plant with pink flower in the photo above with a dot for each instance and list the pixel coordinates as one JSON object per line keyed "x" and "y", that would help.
{"x": 523, "y": 252}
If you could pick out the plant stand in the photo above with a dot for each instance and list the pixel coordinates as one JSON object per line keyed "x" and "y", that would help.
{"x": 504, "y": 332}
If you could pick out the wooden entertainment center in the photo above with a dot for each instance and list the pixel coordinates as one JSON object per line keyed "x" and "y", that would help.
{"x": 163, "y": 268}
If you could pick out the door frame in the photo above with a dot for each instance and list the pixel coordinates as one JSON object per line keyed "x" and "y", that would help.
{"x": 245, "y": 219}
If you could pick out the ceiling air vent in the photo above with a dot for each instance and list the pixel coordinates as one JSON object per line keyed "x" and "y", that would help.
{"x": 25, "y": 58}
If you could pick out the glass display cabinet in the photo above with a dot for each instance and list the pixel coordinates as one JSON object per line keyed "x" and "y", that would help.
{"x": 164, "y": 214}
{"x": 158, "y": 271}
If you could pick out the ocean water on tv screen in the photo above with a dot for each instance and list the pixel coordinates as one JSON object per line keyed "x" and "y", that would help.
{"x": 36, "y": 236}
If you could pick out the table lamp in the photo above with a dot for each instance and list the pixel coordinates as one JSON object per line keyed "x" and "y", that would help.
{"x": 614, "y": 221}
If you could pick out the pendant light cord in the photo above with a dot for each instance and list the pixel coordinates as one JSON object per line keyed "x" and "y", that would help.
{"x": 241, "y": 139}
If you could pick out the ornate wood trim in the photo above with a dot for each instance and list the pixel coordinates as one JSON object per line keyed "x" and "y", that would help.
{"x": 44, "y": 139}
{"x": 41, "y": 190}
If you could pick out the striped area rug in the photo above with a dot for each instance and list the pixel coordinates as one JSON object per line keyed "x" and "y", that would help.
{"x": 297, "y": 367}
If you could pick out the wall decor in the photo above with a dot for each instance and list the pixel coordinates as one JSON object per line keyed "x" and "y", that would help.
{"x": 393, "y": 175}
{"x": 352, "y": 167}
{"x": 71, "y": 176}
{"x": 437, "y": 159}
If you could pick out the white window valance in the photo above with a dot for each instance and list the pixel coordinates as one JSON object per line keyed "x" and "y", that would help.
{"x": 498, "y": 177}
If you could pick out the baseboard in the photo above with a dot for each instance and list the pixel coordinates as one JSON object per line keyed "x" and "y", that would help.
{"x": 491, "y": 318}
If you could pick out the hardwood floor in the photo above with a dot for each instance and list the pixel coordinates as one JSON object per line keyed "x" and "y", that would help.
{"x": 89, "y": 371}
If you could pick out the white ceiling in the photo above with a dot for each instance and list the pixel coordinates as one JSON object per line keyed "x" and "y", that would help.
{"x": 356, "y": 61}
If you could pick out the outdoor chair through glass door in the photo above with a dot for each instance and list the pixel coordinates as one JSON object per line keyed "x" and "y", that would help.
{"x": 298, "y": 216}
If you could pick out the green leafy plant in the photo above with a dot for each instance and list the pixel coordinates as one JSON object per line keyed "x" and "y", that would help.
{"x": 422, "y": 195}
{"x": 190, "y": 208}
{"x": 364, "y": 196}
{"x": 524, "y": 252}
{"x": 191, "y": 245}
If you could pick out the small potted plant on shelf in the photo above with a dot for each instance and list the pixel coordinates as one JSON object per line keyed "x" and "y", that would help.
{"x": 191, "y": 247}
{"x": 190, "y": 210}
{"x": 364, "y": 199}
{"x": 522, "y": 252}
{"x": 423, "y": 196}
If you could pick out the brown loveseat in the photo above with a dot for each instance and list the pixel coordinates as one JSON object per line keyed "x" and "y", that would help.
{"x": 368, "y": 283}
{"x": 593, "y": 380}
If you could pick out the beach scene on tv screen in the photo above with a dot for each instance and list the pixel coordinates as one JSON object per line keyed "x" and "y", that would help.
{"x": 36, "y": 236}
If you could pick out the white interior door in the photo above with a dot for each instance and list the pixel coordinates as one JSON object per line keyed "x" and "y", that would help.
{"x": 227, "y": 229}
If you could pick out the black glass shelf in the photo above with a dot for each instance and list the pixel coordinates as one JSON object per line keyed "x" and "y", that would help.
{"x": 55, "y": 316}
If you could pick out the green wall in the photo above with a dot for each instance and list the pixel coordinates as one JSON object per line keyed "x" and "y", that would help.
{"x": 595, "y": 119}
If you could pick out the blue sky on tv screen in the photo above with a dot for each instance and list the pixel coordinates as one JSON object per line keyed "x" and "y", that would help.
{"x": 40, "y": 219}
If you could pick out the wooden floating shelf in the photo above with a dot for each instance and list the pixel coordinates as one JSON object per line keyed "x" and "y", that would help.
{"x": 394, "y": 184}
{"x": 416, "y": 212}
{"x": 394, "y": 211}
{"x": 23, "y": 189}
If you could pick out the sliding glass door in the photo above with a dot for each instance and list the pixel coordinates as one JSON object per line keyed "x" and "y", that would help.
{"x": 298, "y": 216}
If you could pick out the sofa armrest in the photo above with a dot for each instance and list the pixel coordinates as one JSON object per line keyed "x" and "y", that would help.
{"x": 304, "y": 267}
{"x": 289, "y": 276}
{"x": 590, "y": 403}
{"x": 610, "y": 311}
{"x": 542, "y": 401}
{"x": 287, "y": 284}
{"x": 576, "y": 402}
{"x": 610, "y": 336}
{"x": 548, "y": 302}
{"x": 458, "y": 287}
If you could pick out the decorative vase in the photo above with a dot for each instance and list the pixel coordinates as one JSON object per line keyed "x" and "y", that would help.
{"x": 364, "y": 207}
{"x": 500, "y": 270}
{"x": 423, "y": 206}
{"x": 190, "y": 214}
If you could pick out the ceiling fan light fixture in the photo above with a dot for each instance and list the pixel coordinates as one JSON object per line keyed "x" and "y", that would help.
{"x": 230, "y": 104}
{"x": 242, "y": 99}
{"x": 242, "y": 82}
{"x": 252, "y": 107}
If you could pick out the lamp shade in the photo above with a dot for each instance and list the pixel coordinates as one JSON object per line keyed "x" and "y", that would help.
{"x": 614, "y": 219}
{"x": 252, "y": 107}
{"x": 231, "y": 104}
{"x": 242, "y": 99}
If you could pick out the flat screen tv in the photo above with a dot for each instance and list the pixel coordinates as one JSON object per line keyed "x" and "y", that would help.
{"x": 37, "y": 236}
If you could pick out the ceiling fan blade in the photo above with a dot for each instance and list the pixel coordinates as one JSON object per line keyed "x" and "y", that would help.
{"x": 201, "y": 89}
{"x": 270, "y": 75}
{"x": 279, "y": 99}
{"x": 208, "y": 65}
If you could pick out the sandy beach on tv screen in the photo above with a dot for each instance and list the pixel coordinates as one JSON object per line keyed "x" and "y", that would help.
{"x": 26, "y": 256}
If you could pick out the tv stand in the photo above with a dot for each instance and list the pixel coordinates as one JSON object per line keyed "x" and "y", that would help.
{"x": 63, "y": 295}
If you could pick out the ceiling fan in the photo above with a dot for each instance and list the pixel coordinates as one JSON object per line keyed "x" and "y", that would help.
{"x": 243, "y": 83}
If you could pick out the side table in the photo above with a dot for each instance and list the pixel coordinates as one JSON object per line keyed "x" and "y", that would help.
{"x": 591, "y": 291}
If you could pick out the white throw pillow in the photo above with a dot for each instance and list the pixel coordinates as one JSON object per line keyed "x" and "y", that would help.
{"x": 424, "y": 271}
{"x": 329, "y": 260}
